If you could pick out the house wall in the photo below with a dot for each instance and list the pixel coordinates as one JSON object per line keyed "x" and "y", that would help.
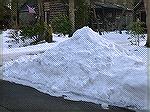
{"x": 52, "y": 8}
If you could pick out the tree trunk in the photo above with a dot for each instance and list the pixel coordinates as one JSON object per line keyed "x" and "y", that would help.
{"x": 40, "y": 8}
{"x": 72, "y": 14}
{"x": 148, "y": 23}
{"x": 147, "y": 8}
{"x": 95, "y": 17}
{"x": 97, "y": 22}
{"x": 14, "y": 13}
{"x": 17, "y": 16}
{"x": 145, "y": 4}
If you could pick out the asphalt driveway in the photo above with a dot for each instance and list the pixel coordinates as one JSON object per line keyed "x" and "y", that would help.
{"x": 19, "y": 98}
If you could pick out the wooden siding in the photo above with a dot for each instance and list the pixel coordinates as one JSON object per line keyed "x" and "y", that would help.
{"x": 54, "y": 7}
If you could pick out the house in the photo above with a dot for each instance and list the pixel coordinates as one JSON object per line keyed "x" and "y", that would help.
{"x": 111, "y": 15}
{"x": 139, "y": 12}
{"x": 104, "y": 14}
{"x": 50, "y": 8}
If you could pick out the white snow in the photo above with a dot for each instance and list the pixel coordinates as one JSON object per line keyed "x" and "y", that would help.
{"x": 85, "y": 67}
{"x": 124, "y": 41}
{"x": 11, "y": 40}
{"x": 16, "y": 50}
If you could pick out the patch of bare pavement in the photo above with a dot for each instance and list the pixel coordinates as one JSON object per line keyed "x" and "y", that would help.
{"x": 19, "y": 98}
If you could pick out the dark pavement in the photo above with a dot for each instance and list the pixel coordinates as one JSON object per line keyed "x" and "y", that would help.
{"x": 19, "y": 98}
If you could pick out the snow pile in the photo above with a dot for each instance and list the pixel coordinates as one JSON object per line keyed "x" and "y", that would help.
{"x": 85, "y": 67}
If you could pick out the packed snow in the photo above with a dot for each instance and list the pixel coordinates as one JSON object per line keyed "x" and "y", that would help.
{"x": 85, "y": 67}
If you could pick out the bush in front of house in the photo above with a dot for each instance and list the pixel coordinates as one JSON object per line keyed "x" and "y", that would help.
{"x": 40, "y": 31}
{"x": 31, "y": 31}
{"x": 136, "y": 30}
{"x": 61, "y": 24}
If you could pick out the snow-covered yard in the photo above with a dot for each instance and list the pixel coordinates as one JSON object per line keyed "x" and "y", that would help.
{"x": 124, "y": 41}
{"x": 16, "y": 50}
{"x": 102, "y": 69}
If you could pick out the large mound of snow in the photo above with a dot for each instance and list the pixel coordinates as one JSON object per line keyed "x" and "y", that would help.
{"x": 86, "y": 67}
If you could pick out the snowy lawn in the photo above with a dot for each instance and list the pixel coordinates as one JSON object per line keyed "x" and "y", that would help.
{"x": 103, "y": 69}
{"x": 124, "y": 41}
{"x": 15, "y": 51}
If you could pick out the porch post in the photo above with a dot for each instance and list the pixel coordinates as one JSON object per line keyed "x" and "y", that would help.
{"x": 46, "y": 17}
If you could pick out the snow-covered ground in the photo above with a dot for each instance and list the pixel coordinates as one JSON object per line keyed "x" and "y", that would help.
{"x": 101, "y": 69}
{"x": 124, "y": 41}
{"x": 16, "y": 50}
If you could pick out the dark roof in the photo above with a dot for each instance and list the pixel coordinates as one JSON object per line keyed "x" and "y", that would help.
{"x": 111, "y": 6}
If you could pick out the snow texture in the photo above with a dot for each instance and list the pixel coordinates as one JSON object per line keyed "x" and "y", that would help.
{"x": 85, "y": 67}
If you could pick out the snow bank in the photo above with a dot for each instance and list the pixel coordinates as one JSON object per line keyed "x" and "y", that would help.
{"x": 85, "y": 67}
